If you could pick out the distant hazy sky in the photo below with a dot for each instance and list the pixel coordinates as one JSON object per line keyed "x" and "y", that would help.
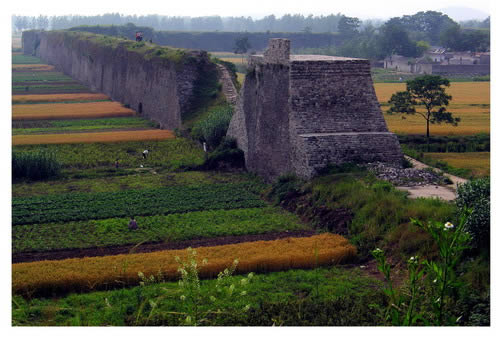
{"x": 255, "y": 8}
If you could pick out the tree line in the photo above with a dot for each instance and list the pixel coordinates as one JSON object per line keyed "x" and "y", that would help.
{"x": 286, "y": 23}
{"x": 408, "y": 35}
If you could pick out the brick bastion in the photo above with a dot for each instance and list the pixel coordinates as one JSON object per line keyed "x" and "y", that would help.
{"x": 298, "y": 113}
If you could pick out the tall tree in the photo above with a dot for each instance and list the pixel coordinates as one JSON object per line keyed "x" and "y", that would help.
{"x": 394, "y": 39}
{"x": 427, "y": 91}
{"x": 348, "y": 26}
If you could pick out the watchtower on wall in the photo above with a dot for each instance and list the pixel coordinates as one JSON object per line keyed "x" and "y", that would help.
{"x": 298, "y": 113}
{"x": 278, "y": 51}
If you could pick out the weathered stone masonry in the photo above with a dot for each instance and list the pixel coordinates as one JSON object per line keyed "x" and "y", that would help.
{"x": 298, "y": 113}
{"x": 159, "y": 88}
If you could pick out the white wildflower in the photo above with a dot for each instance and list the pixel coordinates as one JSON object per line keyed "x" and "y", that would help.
{"x": 448, "y": 225}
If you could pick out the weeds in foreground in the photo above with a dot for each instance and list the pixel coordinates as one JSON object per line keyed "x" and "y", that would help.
{"x": 431, "y": 284}
{"x": 200, "y": 307}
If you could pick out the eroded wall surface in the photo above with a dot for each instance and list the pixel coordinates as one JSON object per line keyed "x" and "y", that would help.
{"x": 299, "y": 113}
{"x": 156, "y": 87}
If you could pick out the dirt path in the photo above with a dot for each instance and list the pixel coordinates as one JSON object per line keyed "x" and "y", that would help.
{"x": 447, "y": 192}
{"x": 227, "y": 85}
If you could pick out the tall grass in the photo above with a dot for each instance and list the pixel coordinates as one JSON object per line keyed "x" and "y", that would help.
{"x": 212, "y": 129}
{"x": 36, "y": 165}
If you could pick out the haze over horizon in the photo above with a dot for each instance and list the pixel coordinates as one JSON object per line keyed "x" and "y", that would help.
{"x": 457, "y": 9}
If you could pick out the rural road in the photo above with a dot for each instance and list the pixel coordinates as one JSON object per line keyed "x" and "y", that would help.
{"x": 447, "y": 192}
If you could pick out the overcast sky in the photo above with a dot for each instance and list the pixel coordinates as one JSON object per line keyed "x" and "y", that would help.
{"x": 256, "y": 8}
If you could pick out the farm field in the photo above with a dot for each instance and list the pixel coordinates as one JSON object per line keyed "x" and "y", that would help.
{"x": 86, "y": 209}
{"x": 31, "y": 67}
{"x": 26, "y": 127}
{"x": 49, "y": 277}
{"x": 477, "y": 162}
{"x": 53, "y": 98}
{"x": 76, "y": 260}
{"x": 78, "y": 138}
{"x": 470, "y": 102}
{"x": 70, "y": 110}
{"x": 468, "y": 93}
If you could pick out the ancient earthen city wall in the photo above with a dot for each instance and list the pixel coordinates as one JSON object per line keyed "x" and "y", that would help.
{"x": 296, "y": 114}
{"x": 157, "y": 87}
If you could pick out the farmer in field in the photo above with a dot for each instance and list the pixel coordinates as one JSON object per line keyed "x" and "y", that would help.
{"x": 132, "y": 225}
{"x": 145, "y": 154}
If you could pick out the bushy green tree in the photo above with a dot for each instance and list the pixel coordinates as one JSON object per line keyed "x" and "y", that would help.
{"x": 476, "y": 196}
{"x": 427, "y": 91}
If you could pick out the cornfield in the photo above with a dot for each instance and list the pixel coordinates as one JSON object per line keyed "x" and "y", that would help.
{"x": 78, "y": 138}
{"x": 20, "y": 99}
{"x": 70, "y": 111}
{"x": 85, "y": 274}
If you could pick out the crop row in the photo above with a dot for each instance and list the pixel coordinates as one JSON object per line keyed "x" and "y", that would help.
{"x": 66, "y": 97}
{"x": 47, "y": 89}
{"x": 40, "y": 77}
{"x": 70, "y": 111}
{"x": 159, "y": 228}
{"x": 108, "y": 181}
{"x": 78, "y": 138}
{"x": 32, "y": 68}
{"x": 25, "y": 59}
{"x": 173, "y": 154}
{"x": 176, "y": 199}
{"x": 86, "y": 274}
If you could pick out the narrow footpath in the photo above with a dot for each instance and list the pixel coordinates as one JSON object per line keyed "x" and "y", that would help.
{"x": 227, "y": 85}
{"x": 448, "y": 192}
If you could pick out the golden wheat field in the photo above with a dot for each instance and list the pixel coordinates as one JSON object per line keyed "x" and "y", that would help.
{"x": 470, "y": 103}
{"x": 78, "y": 138}
{"x": 236, "y": 60}
{"x": 469, "y": 93}
{"x": 32, "y": 68}
{"x": 70, "y": 111}
{"x": 21, "y": 98}
{"x": 83, "y": 274}
{"x": 474, "y": 120}
{"x": 477, "y": 162}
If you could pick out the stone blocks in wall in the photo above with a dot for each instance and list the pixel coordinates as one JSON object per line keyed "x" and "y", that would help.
{"x": 278, "y": 51}
{"x": 159, "y": 88}
{"x": 296, "y": 114}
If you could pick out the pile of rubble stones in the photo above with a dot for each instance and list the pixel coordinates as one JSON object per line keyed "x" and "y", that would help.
{"x": 399, "y": 176}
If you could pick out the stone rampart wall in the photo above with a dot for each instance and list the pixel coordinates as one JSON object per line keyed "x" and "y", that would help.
{"x": 480, "y": 69}
{"x": 159, "y": 88}
{"x": 301, "y": 114}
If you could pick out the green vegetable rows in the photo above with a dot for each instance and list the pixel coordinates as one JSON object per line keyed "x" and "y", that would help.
{"x": 171, "y": 228}
{"x": 177, "y": 199}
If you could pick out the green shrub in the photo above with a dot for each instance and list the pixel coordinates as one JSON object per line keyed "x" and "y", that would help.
{"x": 226, "y": 154}
{"x": 36, "y": 165}
{"x": 212, "y": 129}
{"x": 285, "y": 186}
{"x": 476, "y": 196}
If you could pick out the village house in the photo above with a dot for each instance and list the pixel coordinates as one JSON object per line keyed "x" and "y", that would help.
{"x": 439, "y": 61}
